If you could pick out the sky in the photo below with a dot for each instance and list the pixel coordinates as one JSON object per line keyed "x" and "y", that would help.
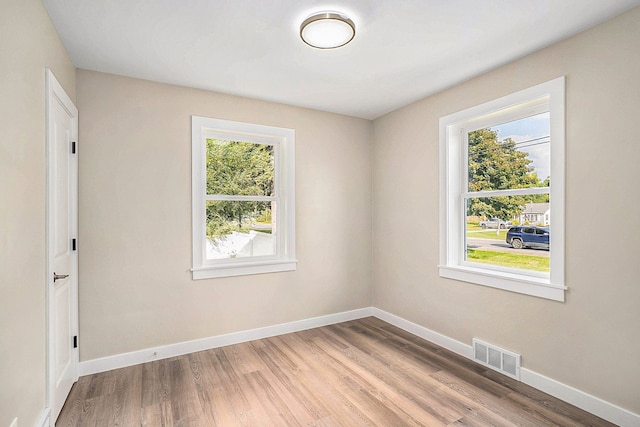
{"x": 526, "y": 132}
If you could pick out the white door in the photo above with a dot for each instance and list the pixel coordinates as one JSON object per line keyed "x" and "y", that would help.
{"x": 62, "y": 258}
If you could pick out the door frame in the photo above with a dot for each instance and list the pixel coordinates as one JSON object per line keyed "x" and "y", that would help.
{"x": 56, "y": 93}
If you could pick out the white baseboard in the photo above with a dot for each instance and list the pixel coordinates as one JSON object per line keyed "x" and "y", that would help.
{"x": 587, "y": 402}
{"x": 43, "y": 421}
{"x": 582, "y": 400}
{"x": 429, "y": 335}
{"x": 163, "y": 352}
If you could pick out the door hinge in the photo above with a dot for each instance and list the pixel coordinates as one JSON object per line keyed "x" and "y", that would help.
{"x": 73, "y": 244}
{"x": 75, "y": 341}
{"x": 73, "y": 147}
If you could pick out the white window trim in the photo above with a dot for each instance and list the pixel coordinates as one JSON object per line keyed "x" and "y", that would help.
{"x": 550, "y": 97}
{"x": 283, "y": 141}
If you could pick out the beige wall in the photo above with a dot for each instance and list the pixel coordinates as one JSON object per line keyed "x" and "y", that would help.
{"x": 28, "y": 44}
{"x": 592, "y": 341}
{"x": 136, "y": 290}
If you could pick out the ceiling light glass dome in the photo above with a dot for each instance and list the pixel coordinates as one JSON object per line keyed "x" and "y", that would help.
{"x": 327, "y": 30}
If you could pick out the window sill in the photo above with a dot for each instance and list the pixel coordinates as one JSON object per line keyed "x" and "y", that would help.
{"x": 538, "y": 287}
{"x": 229, "y": 270}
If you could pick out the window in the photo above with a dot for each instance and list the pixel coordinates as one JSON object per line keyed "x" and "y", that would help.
{"x": 502, "y": 163}
{"x": 242, "y": 198}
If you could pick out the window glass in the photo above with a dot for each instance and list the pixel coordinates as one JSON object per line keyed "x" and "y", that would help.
{"x": 242, "y": 198}
{"x": 509, "y": 155}
{"x": 530, "y": 135}
{"x": 240, "y": 168}
{"x": 240, "y": 229}
{"x": 488, "y": 240}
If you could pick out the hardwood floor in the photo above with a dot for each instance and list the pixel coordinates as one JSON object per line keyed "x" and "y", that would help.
{"x": 359, "y": 373}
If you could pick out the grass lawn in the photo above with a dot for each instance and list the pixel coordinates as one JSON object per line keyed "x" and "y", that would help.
{"x": 488, "y": 234}
{"x": 505, "y": 259}
{"x": 474, "y": 230}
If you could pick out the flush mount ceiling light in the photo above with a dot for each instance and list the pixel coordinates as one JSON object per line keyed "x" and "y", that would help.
{"x": 327, "y": 30}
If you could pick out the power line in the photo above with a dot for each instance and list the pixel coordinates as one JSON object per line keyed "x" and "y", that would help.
{"x": 516, "y": 145}
{"x": 533, "y": 145}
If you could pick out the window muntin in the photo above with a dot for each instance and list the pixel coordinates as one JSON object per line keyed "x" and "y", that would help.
{"x": 243, "y": 198}
{"x": 462, "y": 188}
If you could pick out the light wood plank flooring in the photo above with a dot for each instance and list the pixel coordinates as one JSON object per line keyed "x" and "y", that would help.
{"x": 360, "y": 373}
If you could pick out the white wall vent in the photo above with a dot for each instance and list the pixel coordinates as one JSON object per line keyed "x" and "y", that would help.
{"x": 496, "y": 358}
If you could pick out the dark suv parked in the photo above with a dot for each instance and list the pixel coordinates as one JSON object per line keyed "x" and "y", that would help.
{"x": 528, "y": 236}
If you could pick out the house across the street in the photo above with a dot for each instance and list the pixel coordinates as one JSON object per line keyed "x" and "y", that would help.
{"x": 535, "y": 214}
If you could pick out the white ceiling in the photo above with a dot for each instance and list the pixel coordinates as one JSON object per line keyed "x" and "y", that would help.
{"x": 403, "y": 51}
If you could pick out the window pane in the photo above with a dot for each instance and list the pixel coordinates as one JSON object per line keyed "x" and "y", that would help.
{"x": 240, "y": 168}
{"x": 508, "y": 231}
{"x": 510, "y": 155}
{"x": 240, "y": 229}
